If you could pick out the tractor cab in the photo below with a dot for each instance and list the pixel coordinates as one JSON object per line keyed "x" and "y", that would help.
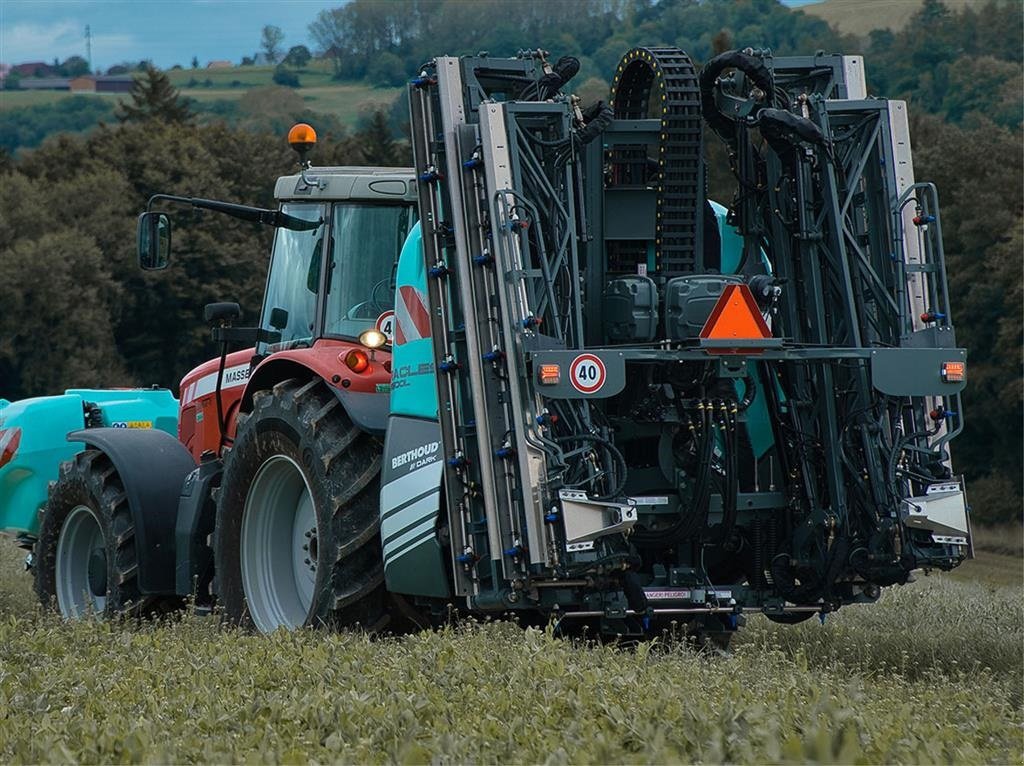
{"x": 364, "y": 216}
{"x": 329, "y": 298}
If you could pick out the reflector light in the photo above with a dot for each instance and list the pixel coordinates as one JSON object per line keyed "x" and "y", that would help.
{"x": 735, "y": 317}
{"x": 550, "y": 374}
{"x": 357, "y": 360}
{"x": 10, "y": 438}
{"x": 954, "y": 372}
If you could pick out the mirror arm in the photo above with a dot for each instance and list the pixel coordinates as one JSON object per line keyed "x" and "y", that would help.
{"x": 243, "y": 212}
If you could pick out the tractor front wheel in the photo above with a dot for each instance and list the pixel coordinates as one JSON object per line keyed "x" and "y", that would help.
{"x": 297, "y": 538}
{"x": 85, "y": 557}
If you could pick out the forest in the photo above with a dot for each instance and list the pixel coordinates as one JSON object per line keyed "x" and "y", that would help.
{"x": 75, "y": 310}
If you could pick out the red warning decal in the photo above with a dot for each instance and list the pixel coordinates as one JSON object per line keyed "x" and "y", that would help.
{"x": 587, "y": 373}
{"x": 386, "y": 325}
{"x": 413, "y": 319}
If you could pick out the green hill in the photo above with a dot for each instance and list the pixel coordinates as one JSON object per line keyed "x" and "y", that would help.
{"x": 343, "y": 101}
{"x": 859, "y": 17}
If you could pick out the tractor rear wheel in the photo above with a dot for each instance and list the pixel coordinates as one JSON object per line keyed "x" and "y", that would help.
{"x": 85, "y": 558}
{"x": 297, "y": 538}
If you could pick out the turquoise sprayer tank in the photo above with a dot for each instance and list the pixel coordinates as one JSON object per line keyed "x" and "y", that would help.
{"x": 35, "y": 432}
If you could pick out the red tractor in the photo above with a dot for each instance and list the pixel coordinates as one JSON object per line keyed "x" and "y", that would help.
{"x": 303, "y": 403}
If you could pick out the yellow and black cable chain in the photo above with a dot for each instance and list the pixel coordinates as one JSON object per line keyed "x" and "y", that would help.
{"x": 662, "y": 83}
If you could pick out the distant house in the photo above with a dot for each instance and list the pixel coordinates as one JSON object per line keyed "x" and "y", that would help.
{"x": 220, "y": 64}
{"x": 102, "y": 83}
{"x": 115, "y": 83}
{"x": 45, "y": 83}
{"x": 38, "y": 69}
{"x": 83, "y": 84}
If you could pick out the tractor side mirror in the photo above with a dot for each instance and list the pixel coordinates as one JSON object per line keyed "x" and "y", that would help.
{"x": 278, "y": 318}
{"x": 153, "y": 238}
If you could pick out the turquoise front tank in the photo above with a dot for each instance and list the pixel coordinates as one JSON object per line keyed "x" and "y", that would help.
{"x": 33, "y": 441}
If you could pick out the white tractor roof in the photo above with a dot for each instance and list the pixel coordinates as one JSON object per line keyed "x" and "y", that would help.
{"x": 358, "y": 183}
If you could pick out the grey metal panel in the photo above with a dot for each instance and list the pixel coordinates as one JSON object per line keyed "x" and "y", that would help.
{"x": 854, "y": 76}
{"x": 942, "y": 510}
{"x": 515, "y": 306}
{"x": 453, "y": 116}
{"x": 914, "y": 371}
{"x": 629, "y": 213}
{"x": 932, "y": 337}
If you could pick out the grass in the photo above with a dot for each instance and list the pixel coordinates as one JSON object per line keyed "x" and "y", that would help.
{"x": 930, "y": 674}
{"x": 999, "y": 556}
{"x": 16, "y": 99}
{"x": 317, "y": 73}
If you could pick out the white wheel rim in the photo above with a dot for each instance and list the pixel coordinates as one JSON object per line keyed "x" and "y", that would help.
{"x": 80, "y": 539}
{"x": 278, "y": 546}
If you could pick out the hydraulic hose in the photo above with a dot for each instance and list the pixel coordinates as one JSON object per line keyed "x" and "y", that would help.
{"x": 696, "y": 516}
{"x": 730, "y": 495}
{"x": 752, "y": 66}
{"x": 749, "y": 393}
{"x": 617, "y": 457}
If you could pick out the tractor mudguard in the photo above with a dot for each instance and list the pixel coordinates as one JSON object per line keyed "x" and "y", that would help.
{"x": 153, "y": 466}
{"x": 365, "y": 395}
{"x": 368, "y": 411}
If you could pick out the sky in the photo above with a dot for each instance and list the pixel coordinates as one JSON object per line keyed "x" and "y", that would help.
{"x": 167, "y": 32}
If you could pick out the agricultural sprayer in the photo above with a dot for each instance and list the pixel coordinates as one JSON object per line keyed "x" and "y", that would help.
{"x": 541, "y": 373}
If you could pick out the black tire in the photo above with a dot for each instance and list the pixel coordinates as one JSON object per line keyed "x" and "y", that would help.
{"x": 340, "y": 463}
{"x": 90, "y": 481}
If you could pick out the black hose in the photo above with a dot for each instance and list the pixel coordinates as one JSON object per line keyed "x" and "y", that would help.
{"x": 616, "y": 455}
{"x": 696, "y": 516}
{"x": 730, "y": 494}
{"x": 221, "y": 422}
{"x": 749, "y": 393}
{"x": 752, "y": 66}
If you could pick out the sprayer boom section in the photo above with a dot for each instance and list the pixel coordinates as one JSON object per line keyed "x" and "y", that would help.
{"x": 651, "y": 404}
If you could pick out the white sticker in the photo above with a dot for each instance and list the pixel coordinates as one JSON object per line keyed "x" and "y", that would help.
{"x": 649, "y": 500}
{"x": 587, "y": 373}
{"x": 386, "y": 325}
{"x": 667, "y": 595}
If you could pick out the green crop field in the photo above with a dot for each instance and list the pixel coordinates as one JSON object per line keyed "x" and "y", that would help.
{"x": 932, "y": 674}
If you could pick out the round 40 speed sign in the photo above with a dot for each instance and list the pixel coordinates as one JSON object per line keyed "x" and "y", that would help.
{"x": 386, "y": 325}
{"x": 587, "y": 373}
